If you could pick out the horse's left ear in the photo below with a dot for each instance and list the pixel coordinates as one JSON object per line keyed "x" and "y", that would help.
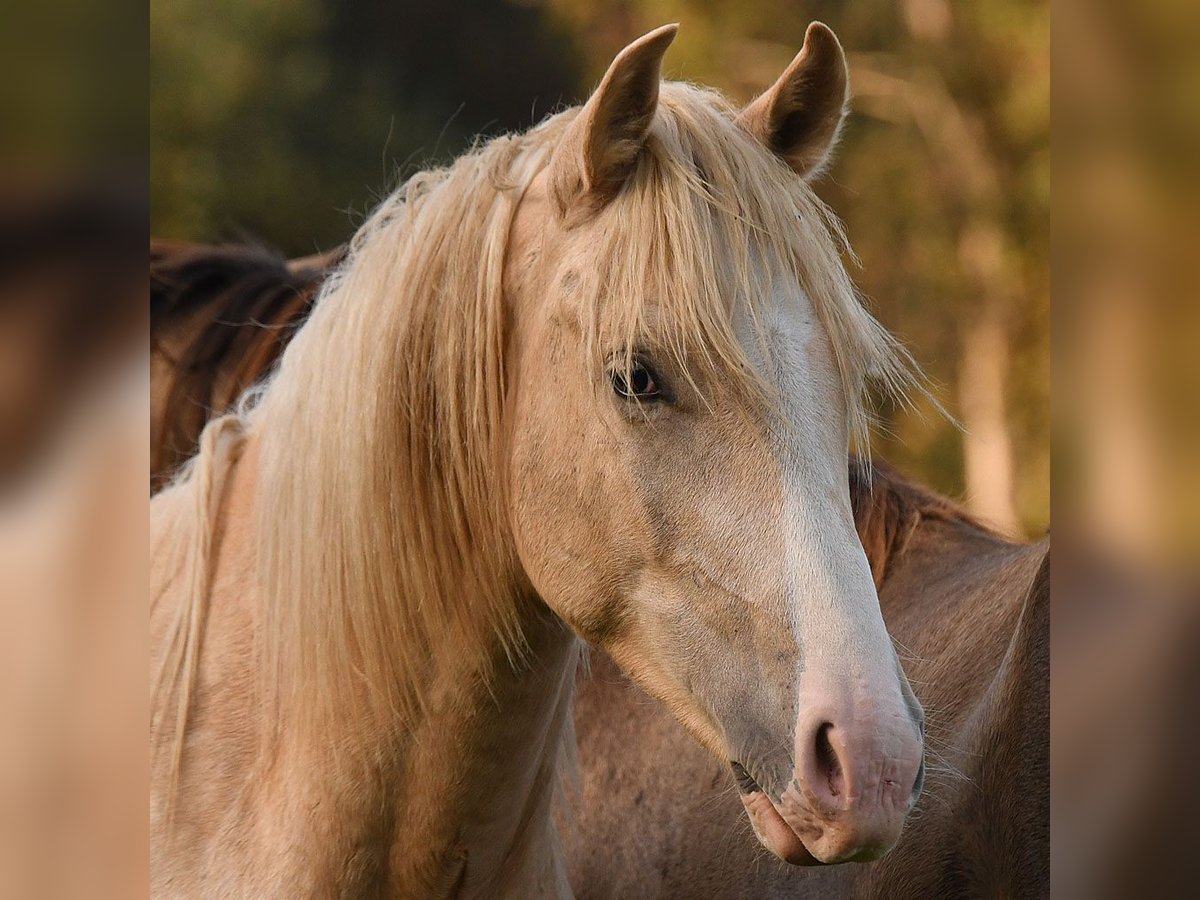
{"x": 800, "y": 115}
{"x": 601, "y": 146}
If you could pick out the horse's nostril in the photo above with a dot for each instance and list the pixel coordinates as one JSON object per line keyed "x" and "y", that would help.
{"x": 828, "y": 763}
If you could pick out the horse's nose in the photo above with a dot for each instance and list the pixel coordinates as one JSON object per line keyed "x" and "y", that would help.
{"x": 856, "y": 778}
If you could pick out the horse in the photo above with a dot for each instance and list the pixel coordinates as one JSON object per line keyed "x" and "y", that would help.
{"x": 893, "y": 517}
{"x": 596, "y": 382}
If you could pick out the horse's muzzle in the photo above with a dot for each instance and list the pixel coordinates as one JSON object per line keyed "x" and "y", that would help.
{"x": 848, "y": 799}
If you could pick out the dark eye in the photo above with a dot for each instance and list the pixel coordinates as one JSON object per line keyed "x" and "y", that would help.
{"x": 639, "y": 384}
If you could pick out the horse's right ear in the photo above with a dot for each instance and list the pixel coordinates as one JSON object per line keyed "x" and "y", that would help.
{"x": 600, "y": 148}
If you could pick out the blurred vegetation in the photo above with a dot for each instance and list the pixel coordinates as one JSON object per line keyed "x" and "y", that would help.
{"x": 284, "y": 121}
{"x": 72, "y": 91}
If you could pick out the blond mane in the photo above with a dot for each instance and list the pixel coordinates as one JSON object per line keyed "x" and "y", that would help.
{"x": 381, "y": 434}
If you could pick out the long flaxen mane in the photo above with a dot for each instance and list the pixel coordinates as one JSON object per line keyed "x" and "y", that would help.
{"x": 381, "y": 433}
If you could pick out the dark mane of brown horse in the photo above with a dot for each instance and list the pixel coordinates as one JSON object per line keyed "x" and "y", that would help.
{"x": 888, "y": 508}
{"x": 219, "y": 318}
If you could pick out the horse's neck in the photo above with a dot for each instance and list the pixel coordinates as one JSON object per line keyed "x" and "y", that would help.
{"x": 463, "y": 806}
{"x": 893, "y": 515}
{"x": 480, "y": 773}
{"x": 458, "y": 801}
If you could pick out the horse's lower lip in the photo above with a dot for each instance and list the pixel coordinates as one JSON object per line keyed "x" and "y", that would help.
{"x": 773, "y": 832}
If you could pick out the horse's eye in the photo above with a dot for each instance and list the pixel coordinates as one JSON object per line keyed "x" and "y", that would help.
{"x": 639, "y": 384}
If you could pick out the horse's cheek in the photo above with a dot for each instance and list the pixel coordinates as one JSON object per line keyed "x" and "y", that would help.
{"x": 560, "y": 521}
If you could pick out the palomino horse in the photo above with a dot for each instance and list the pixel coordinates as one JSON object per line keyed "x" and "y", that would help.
{"x": 961, "y": 599}
{"x": 969, "y": 606}
{"x": 597, "y": 380}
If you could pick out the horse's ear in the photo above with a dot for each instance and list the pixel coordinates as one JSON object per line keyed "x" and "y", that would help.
{"x": 800, "y": 115}
{"x": 601, "y": 146}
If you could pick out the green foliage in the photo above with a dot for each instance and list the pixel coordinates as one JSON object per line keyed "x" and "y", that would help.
{"x": 286, "y": 121}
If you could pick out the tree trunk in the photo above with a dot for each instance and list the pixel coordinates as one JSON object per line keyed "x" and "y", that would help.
{"x": 982, "y": 374}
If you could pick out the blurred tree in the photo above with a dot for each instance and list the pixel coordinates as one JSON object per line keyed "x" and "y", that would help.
{"x": 1127, "y": 243}
{"x": 287, "y": 120}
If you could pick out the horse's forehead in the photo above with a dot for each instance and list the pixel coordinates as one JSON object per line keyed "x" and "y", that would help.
{"x": 786, "y": 343}
{"x": 780, "y": 330}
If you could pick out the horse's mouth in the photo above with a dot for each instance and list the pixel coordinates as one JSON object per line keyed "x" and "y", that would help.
{"x": 773, "y": 832}
{"x": 782, "y": 836}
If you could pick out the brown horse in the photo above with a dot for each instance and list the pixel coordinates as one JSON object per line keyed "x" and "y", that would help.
{"x": 969, "y": 608}
{"x": 596, "y": 381}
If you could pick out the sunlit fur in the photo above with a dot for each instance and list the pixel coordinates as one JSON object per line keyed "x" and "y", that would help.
{"x": 381, "y": 506}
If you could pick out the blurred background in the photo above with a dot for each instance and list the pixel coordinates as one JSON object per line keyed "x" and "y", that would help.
{"x": 285, "y": 122}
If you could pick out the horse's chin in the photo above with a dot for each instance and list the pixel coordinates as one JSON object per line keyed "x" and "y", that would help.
{"x": 774, "y": 833}
{"x": 780, "y": 838}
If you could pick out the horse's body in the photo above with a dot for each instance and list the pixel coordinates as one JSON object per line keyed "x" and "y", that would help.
{"x": 953, "y": 594}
